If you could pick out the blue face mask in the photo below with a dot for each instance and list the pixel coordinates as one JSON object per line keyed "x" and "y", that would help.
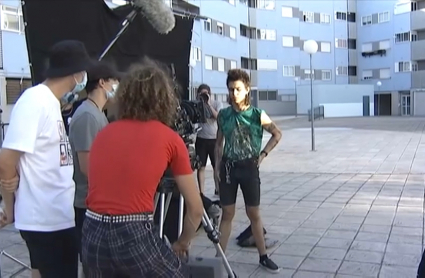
{"x": 72, "y": 96}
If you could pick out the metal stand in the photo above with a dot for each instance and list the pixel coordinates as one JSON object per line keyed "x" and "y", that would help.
{"x": 163, "y": 196}
{"x": 130, "y": 17}
{"x": 19, "y": 271}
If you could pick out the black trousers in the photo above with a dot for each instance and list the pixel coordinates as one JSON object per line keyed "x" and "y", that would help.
{"x": 421, "y": 268}
{"x": 54, "y": 254}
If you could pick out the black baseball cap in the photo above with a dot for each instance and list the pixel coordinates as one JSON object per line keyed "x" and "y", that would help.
{"x": 66, "y": 58}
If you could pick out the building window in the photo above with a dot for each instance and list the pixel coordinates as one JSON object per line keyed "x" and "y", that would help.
{"x": 266, "y": 34}
{"x": 402, "y": 37}
{"x": 288, "y": 70}
{"x": 265, "y": 4}
{"x": 308, "y": 17}
{"x": 326, "y": 75}
{"x": 403, "y": 66}
{"x": 340, "y": 16}
{"x": 12, "y": 19}
{"x": 267, "y": 95}
{"x": 367, "y": 75}
{"x": 287, "y": 12}
{"x": 233, "y": 64}
{"x": 248, "y": 63}
{"x": 232, "y": 32}
{"x": 383, "y": 17}
{"x": 414, "y": 66}
{"x": 308, "y": 74}
{"x": 352, "y": 71}
{"x": 366, "y": 20}
{"x": 325, "y": 47}
{"x": 367, "y": 47}
{"x": 325, "y": 18}
{"x": 340, "y": 43}
{"x": 220, "y": 64}
{"x": 385, "y": 73}
{"x": 266, "y": 64}
{"x": 207, "y": 25}
{"x": 405, "y": 7}
{"x": 220, "y": 28}
{"x": 341, "y": 70}
{"x": 351, "y": 17}
{"x": 196, "y": 53}
{"x": 413, "y": 36}
{"x": 385, "y": 44}
{"x": 208, "y": 62}
{"x": 15, "y": 87}
{"x": 352, "y": 44}
{"x": 287, "y": 41}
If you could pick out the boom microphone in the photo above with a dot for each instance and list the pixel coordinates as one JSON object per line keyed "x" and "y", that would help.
{"x": 159, "y": 15}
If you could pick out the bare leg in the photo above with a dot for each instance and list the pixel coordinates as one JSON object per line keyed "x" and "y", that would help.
{"x": 35, "y": 273}
{"x": 226, "y": 225}
{"x": 201, "y": 179}
{"x": 253, "y": 214}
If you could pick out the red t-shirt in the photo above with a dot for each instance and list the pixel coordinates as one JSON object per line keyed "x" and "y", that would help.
{"x": 126, "y": 163}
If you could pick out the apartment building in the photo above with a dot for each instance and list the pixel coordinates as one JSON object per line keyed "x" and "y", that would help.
{"x": 391, "y": 42}
{"x": 14, "y": 63}
{"x": 360, "y": 42}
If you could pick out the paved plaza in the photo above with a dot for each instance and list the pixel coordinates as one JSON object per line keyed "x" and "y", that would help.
{"x": 353, "y": 208}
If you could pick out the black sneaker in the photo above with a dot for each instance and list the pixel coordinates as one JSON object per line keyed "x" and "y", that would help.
{"x": 269, "y": 265}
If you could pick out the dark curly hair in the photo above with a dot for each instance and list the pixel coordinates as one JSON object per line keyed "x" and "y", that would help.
{"x": 234, "y": 75}
{"x": 147, "y": 92}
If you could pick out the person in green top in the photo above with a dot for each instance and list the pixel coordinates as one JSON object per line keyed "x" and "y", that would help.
{"x": 241, "y": 126}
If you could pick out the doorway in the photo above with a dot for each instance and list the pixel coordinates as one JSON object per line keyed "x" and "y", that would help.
{"x": 405, "y": 105}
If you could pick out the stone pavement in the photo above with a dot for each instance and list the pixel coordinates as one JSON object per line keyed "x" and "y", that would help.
{"x": 353, "y": 208}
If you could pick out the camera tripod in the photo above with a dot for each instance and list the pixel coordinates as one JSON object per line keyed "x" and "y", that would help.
{"x": 163, "y": 199}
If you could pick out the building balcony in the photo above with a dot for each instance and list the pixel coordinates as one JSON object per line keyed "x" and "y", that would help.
{"x": 417, "y": 20}
{"x": 417, "y": 49}
{"x": 418, "y": 79}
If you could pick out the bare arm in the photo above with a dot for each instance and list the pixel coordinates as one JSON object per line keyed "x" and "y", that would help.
{"x": 271, "y": 128}
{"x": 9, "y": 160}
{"x": 83, "y": 160}
{"x": 190, "y": 192}
{"x": 213, "y": 111}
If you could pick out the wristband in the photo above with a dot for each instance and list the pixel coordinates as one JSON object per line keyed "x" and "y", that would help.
{"x": 264, "y": 152}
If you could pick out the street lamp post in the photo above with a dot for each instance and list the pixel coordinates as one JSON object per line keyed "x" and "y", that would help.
{"x": 296, "y": 96}
{"x": 192, "y": 65}
{"x": 379, "y": 84}
{"x": 310, "y": 47}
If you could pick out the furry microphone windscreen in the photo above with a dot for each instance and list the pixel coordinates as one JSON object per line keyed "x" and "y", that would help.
{"x": 159, "y": 15}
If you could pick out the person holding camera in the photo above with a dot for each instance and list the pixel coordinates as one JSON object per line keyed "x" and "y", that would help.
{"x": 206, "y": 137}
{"x": 127, "y": 161}
{"x": 36, "y": 149}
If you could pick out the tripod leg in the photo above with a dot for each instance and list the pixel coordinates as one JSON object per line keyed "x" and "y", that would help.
{"x": 156, "y": 199}
{"x": 214, "y": 236}
{"x": 181, "y": 213}
{"x": 167, "y": 203}
{"x": 161, "y": 215}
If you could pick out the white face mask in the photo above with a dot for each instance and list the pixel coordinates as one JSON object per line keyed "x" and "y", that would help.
{"x": 111, "y": 94}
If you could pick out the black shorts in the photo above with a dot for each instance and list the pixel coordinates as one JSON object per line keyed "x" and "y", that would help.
{"x": 80, "y": 215}
{"x": 54, "y": 254}
{"x": 204, "y": 149}
{"x": 244, "y": 174}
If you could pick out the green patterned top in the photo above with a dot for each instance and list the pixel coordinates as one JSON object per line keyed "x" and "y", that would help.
{"x": 242, "y": 131}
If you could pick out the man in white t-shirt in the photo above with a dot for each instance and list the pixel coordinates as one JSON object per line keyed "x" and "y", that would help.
{"x": 36, "y": 148}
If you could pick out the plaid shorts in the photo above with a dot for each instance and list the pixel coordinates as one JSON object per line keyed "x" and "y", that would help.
{"x": 131, "y": 249}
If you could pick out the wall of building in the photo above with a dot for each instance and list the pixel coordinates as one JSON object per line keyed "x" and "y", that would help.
{"x": 338, "y": 100}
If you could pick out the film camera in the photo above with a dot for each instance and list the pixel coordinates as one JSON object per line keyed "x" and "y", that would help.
{"x": 189, "y": 114}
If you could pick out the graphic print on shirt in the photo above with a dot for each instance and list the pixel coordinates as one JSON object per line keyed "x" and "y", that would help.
{"x": 240, "y": 144}
{"x": 65, "y": 152}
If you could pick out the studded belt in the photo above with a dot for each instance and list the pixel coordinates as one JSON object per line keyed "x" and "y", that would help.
{"x": 145, "y": 217}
